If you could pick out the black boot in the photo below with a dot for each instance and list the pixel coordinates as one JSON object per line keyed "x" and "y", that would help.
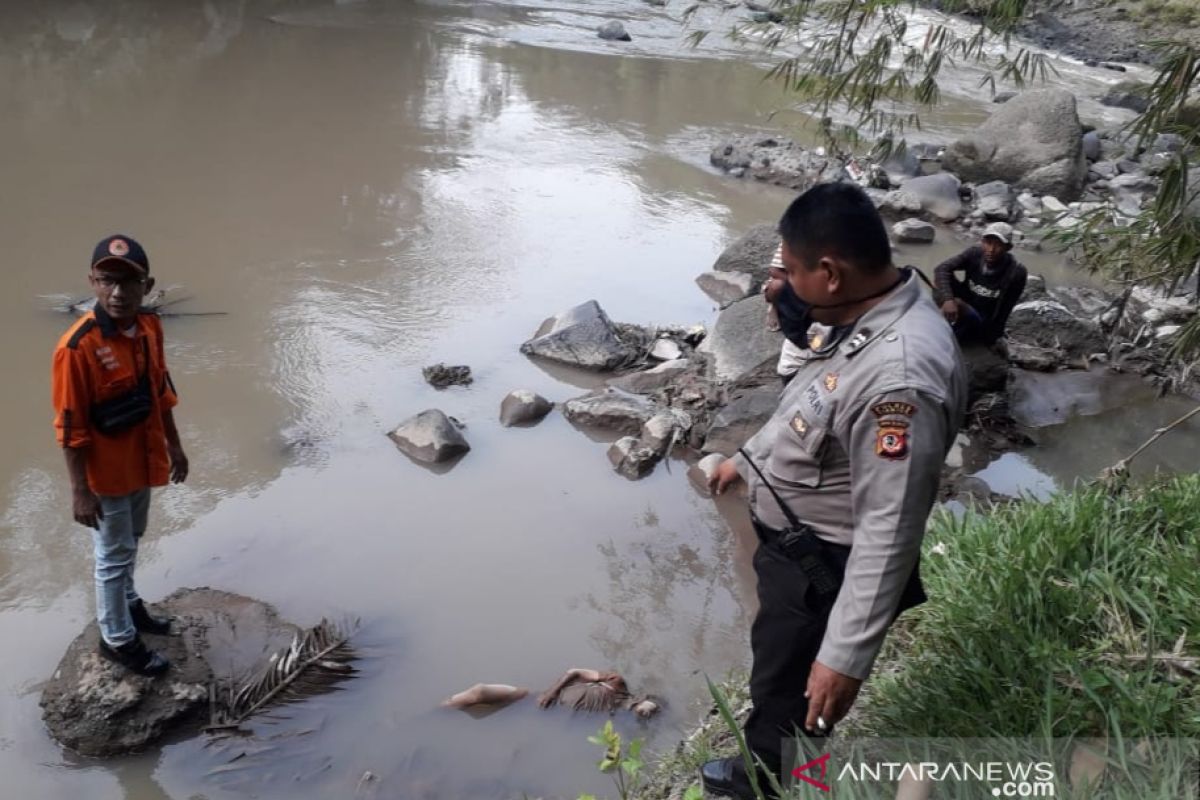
{"x": 136, "y": 657}
{"x": 145, "y": 622}
{"x": 726, "y": 777}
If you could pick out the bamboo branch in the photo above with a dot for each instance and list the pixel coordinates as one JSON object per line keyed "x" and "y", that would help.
{"x": 1123, "y": 465}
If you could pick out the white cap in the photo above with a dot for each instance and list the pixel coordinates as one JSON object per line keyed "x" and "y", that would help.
{"x": 1001, "y": 230}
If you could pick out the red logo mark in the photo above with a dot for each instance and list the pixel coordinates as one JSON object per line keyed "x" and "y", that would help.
{"x": 118, "y": 247}
{"x": 823, "y": 763}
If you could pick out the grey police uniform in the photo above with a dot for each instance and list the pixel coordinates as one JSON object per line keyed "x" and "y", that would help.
{"x": 855, "y": 450}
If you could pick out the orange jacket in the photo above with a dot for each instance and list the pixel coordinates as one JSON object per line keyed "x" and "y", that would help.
{"x": 93, "y": 362}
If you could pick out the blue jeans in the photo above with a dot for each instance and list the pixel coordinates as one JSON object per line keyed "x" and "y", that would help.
{"x": 116, "y": 544}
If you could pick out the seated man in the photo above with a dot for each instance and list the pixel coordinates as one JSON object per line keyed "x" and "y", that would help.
{"x": 977, "y": 307}
{"x": 578, "y": 689}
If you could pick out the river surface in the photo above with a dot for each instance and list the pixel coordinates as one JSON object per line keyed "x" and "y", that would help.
{"x": 362, "y": 189}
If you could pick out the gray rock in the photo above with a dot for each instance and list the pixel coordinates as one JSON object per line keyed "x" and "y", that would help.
{"x": 1033, "y": 357}
{"x": 996, "y": 199}
{"x": 439, "y": 376}
{"x": 1035, "y": 288}
{"x": 741, "y": 418}
{"x": 913, "y": 230}
{"x": 1030, "y": 203}
{"x": 1033, "y": 141}
{"x": 987, "y": 371}
{"x": 583, "y": 337}
{"x": 1091, "y": 146}
{"x": 1132, "y": 95}
{"x": 614, "y": 32}
{"x": 1050, "y": 324}
{"x": 740, "y": 341}
{"x": 782, "y": 162}
{"x": 1167, "y": 332}
{"x": 752, "y": 253}
{"x": 523, "y": 407}
{"x": 1107, "y": 170}
{"x": 900, "y": 167}
{"x": 1133, "y": 182}
{"x": 937, "y": 195}
{"x": 1167, "y": 143}
{"x": 651, "y": 380}
{"x": 430, "y": 437}
{"x": 610, "y": 409}
{"x": 1128, "y": 166}
{"x": 899, "y": 202}
{"x": 631, "y": 459}
{"x": 727, "y": 287}
{"x": 1053, "y": 205}
{"x": 665, "y": 429}
{"x": 97, "y": 708}
{"x": 666, "y": 349}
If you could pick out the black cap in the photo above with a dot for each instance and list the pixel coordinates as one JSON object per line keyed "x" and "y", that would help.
{"x": 121, "y": 248}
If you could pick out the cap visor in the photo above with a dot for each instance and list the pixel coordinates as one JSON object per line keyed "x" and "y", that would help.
{"x": 122, "y": 260}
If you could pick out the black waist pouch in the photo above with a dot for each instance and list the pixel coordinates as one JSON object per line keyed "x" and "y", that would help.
{"x": 126, "y": 410}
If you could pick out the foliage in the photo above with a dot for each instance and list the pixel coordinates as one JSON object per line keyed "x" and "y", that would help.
{"x": 623, "y": 762}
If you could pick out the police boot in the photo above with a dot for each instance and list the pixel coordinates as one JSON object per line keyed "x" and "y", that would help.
{"x": 726, "y": 777}
{"x": 136, "y": 657}
{"x": 145, "y": 622}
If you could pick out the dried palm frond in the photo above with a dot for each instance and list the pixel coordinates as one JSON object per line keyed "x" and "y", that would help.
{"x": 315, "y": 662}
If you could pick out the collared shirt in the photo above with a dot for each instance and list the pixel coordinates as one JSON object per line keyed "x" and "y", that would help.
{"x": 94, "y": 362}
{"x": 856, "y": 448}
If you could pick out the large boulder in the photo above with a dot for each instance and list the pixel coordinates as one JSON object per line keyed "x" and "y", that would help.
{"x": 583, "y": 337}
{"x": 987, "y": 371}
{"x": 778, "y": 161}
{"x": 936, "y": 195}
{"x": 1034, "y": 141}
{"x": 1050, "y": 324}
{"x": 97, "y": 708}
{"x": 741, "y": 341}
{"x": 996, "y": 200}
{"x": 523, "y": 407}
{"x": 752, "y": 253}
{"x": 610, "y": 409}
{"x": 913, "y": 230}
{"x": 430, "y": 437}
{"x": 741, "y": 418}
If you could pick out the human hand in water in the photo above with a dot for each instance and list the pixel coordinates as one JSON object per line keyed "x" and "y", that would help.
{"x": 726, "y": 475}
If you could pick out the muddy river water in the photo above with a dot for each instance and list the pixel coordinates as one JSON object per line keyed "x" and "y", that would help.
{"x": 363, "y": 189}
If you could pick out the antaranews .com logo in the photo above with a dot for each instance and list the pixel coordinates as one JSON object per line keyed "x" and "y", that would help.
{"x": 1007, "y": 779}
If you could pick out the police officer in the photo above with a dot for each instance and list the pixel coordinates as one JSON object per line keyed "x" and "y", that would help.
{"x": 843, "y": 476}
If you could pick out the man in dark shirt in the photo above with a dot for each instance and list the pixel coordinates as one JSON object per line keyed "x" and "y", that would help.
{"x": 977, "y": 307}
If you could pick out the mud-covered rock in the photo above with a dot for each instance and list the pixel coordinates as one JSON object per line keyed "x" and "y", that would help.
{"x": 751, "y": 254}
{"x": 1050, "y": 324}
{"x": 747, "y": 411}
{"x": 913, "y": 231}
{"x": 727, "y": 286}
{"x": 632, "y": 459}
{"x": 651, "y": 380}
{"x": 782, "y": 162}
{"x": 439, "y": 376}
{"x": 96, "y": 708}
{"x": 741, "y": 341}
{"x": 523, "y": 407}
{"x": 610, "y": 409}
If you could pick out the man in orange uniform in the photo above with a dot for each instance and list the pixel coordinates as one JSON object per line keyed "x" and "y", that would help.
{"x": 112, "y": 401}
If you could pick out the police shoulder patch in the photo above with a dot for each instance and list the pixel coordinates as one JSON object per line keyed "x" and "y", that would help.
{"x": 891, "y": 441}
{"x": 893, "y": 408}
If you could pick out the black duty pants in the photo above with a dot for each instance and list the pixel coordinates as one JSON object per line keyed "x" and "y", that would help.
{"x": 785, "y": 639}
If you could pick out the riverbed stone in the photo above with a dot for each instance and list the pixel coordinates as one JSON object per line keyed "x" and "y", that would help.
{"x": 751, "y": 253}
{"x": 937, "y": 195}
{"x": 610, "y": 409}
{"x": 995, "y": 199}
{"x": 913, "y": 230}
{"x": 648, "y": 381}
{"x": 1053, "y": 205}
{"x": 96, "y": 708}
{"x": 1050, "y": 324}
{"x": 523, "y": 407}
{"x": 632, "y": 459}
{"x": 439, "y": 376}
{"x": 726, "y": 287}
{"x": 740, "y": 341}
{"x": 1035, "y": 288}
{"x": 1091, "y": 146}
{"x": 583, "y": 337}
{"x": 741, "y": 418}
{"x": 1133, "y": 95}
{"x": 430, "y": 437}
{"x": 665, "y": 429}
{"x": 1033, "y": 141}
{"x": 899, "y": 203}
{"x": 778, "y": 161}
{"x": 704, "y": 469}
{"x": 614, "y": 32}
{"x": 665, "y": 349}
{"x": 987, "y": 370}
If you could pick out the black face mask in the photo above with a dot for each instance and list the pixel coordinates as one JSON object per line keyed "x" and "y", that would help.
{"x": 795, "y": 315}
